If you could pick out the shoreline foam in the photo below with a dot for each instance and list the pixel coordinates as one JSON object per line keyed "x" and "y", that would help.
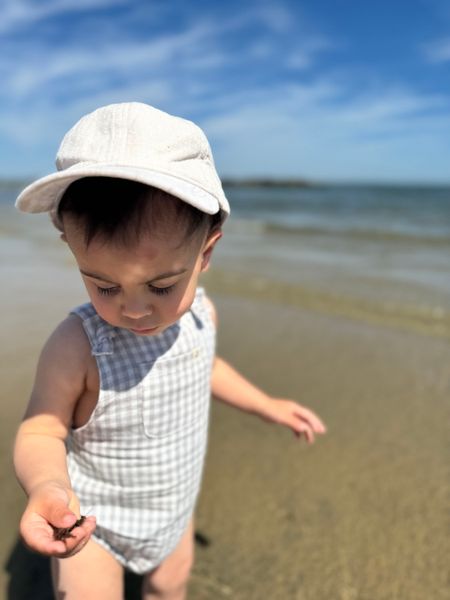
{"x": 427, "y": 320}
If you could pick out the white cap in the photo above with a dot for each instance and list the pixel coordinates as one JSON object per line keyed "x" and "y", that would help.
{"x": 133, "y": 141}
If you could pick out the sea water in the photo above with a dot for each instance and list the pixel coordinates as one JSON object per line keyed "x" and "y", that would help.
{"x": 376, "y": 252}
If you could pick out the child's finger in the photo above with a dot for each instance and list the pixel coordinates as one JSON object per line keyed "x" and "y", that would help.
{"x": 59, "y": 515}
{"x": 52, "y": 505}
{"x": 304, "y": 430}
{"x": 39, "y": 535}
{"x": 314, "y": 421}
{"x": 79, "y": 537}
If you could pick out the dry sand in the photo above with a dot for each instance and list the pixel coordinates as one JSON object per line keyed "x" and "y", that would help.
{"x": 362, "y": 514}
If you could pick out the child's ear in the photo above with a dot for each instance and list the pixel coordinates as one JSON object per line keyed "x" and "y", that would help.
{"x": 62, "y": 236}
{"x": 209, "y": 247}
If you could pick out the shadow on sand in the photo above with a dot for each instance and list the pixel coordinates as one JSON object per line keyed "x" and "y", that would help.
{"x": 29, "y": 577}
{"x": 29, "y": 574}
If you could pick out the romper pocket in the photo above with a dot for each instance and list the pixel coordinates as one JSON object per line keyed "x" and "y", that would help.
{"x": 175, "y": 393}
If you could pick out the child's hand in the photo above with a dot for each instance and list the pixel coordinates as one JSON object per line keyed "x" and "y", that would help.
{"x": 51, "y": 509}
{"x": 302, "y": 420}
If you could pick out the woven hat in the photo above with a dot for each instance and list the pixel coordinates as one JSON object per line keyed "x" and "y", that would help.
{"x": 133, "y": 141}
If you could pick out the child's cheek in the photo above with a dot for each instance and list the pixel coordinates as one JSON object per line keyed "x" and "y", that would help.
{"x": 105, "y": 307}
{"x": 102, "y": 309}
{"x": 180, "y": 306}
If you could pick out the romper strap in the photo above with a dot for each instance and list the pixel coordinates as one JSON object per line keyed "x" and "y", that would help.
{"x": 100, "y": 334}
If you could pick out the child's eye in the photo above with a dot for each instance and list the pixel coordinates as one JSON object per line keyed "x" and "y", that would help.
{"x": 107, "y": 291}
{"x": 161, "y": 291}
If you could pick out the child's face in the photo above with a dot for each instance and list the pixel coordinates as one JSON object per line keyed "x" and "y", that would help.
{"x": 144, "y": 288}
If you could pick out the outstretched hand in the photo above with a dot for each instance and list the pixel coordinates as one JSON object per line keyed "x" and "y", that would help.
{"x": 301, "y": 420}
{"x": 46, "y": 525}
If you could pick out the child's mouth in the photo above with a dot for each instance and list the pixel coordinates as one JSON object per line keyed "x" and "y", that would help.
{"x": 144, "y": 331}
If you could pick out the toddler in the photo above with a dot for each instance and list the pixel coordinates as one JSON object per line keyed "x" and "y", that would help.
{"x": 118, "y": 416}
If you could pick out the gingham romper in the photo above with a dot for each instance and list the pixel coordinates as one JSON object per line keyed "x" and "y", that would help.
{"x": 137, "y": 463}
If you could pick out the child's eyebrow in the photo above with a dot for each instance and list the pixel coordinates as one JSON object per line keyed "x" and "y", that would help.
{"x": 167, "y": 275}
{"x": 158, "y": 278}
{"x": 95, "y": 276}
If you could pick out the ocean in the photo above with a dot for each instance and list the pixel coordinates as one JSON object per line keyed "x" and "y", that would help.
{"x": 372, "y": 252}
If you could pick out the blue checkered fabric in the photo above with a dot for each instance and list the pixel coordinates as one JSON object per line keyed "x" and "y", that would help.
{"x": 137, "y": 464}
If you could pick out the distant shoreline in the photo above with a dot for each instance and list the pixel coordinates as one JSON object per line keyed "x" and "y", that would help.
{"x": 7, "y": 183}
{"x": 226, "y": 182}
{"x": 267, "y": 183}
{"x": 230, "y": 182}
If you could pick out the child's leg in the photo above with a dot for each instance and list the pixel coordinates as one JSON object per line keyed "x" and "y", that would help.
{"x": 92, "y": 574}
{"x": 169, "y": 580}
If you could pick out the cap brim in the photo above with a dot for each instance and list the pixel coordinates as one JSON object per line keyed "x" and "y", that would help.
{"x": 44, "y": 194}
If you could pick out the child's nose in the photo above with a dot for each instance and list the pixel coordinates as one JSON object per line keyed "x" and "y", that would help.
{"x": 136, "y": 308}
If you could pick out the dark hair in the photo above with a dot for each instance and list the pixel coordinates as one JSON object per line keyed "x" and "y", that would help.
{"x": 122, "y": 210}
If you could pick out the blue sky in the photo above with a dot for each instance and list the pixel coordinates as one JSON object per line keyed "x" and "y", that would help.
{"x": 334, "y": 91}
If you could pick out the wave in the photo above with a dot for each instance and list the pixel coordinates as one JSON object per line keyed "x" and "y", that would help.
{"x": 432, "y": 320}
{"x": 250, "y": 226}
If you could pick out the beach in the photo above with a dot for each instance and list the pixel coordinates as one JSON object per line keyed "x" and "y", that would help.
{"x": 357, "y": 327}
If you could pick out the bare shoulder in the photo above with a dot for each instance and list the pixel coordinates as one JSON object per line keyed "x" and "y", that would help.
{"x": 61, "y": 372}
{"x": 68, "y": 346}
{"x": 212, "y": 309}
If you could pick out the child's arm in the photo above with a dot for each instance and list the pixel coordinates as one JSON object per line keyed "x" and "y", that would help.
{"x": 233, "y": 388}
{"x": 40, "y": 453}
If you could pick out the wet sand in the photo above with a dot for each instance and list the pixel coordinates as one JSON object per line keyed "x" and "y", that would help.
{"x": 360, "y": 515}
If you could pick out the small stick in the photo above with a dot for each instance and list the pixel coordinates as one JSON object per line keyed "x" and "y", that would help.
{"x": 62, "y": 533}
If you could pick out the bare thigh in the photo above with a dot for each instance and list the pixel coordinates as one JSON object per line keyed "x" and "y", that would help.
{"x": 92, "y": 574}
{"x": 170, "y": 578}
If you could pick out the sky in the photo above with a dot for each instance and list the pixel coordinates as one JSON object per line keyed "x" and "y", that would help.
{"x": 343, "y": 90}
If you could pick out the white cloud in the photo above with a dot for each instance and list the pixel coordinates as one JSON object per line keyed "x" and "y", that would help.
{"x": 390, "y": 106}
{"x": 37, "y": 69}
{"x": 261, "y": 49}
{"x": 296, "y": 56}
{"x": 17, "y": 13}
{"x": 437, "y": 51}
{"x": 242, "y": 77}
{"x": 302, "y": 132}
{"x": 275, "y": 16}
{"x": 304, "y": 55}
{"x": 128, "y": 58}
